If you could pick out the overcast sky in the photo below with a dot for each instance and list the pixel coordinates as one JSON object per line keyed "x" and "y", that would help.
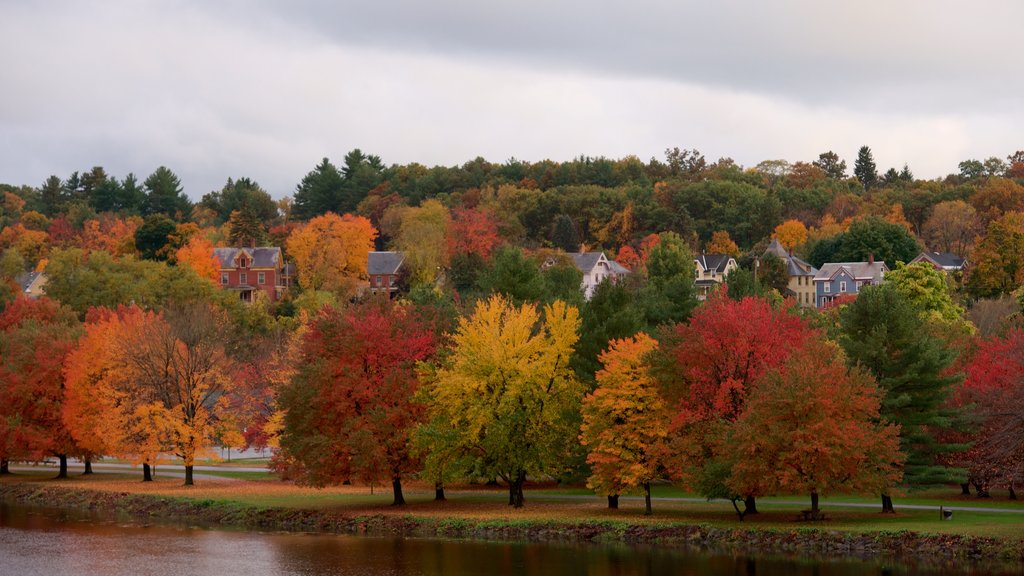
{"x": 264, "y": 89}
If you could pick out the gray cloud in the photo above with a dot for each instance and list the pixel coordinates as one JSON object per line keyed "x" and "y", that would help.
{"x": 265, "y": 90}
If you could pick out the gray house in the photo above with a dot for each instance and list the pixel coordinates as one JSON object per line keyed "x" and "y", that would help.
{"x": 836, "y": 279}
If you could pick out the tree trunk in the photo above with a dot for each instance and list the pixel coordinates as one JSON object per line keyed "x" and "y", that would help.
{"x": 63, "y": 473}
{"x": 887, "y": 505}
{"x": 647, "y": 499}
{"x": 188, "y": 476}
{"x": 439, "y": 492}
{"x": 749, "y": 506}
{"x": 515, "y": 490}
{"x": 613, "y": 501}
{"x": 981, "y": 490}
{"x": 5, "y": 466}
{"x": 814, "y": 502}
{"x": 396, "y": 487}
{"x": 88, "y": 466}
{"x": 147, "y": 474}
{"x": 1013, "y": 495}
{"x": 965, "y": 489}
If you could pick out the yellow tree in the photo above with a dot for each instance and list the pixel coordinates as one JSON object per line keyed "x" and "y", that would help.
{"x": 197, "y": 254}
{"x": 506, "y": 394}
{"x": 422, "y": 238}
{"x": 721, "y": 243}
{"x": 330, "y": 252}
{"x": 177, "y": 362}
{"x": 624, "y": 422}
{"x": 791, "y": 233}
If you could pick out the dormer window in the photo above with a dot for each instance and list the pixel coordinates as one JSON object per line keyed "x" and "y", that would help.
{"x": 243, "y": 262}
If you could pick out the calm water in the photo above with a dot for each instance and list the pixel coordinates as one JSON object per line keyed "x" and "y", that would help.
{"x": 49, "y": 542}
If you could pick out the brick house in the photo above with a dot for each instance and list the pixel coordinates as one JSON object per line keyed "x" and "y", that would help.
{"x": 251, "y": 270}
{"x": 383, "y": 269}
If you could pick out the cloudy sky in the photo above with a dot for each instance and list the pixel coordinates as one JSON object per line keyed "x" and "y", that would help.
{"x": 265, "y": 89}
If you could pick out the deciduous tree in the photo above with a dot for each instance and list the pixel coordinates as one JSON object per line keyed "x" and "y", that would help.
{"x": 349, "y": 412}
{"x": 330, "y": 252}
{"x": 624, "y": 422}
{"x": 508, "y": 391}
{"x": 811, "y": 426}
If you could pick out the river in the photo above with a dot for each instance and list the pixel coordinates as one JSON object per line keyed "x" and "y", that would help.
{"x": 41, "y": 541}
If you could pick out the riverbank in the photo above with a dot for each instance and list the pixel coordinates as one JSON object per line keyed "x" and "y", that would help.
{"x": 477, "y": 517}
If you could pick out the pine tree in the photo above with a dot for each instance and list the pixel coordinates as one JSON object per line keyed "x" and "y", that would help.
{"x": 245, "y": 228}
{"x": 864, "y": 169}
{"x": 564, "y": 235}
{"x": 883, "y": 332}
{"x": 319, "y": 192}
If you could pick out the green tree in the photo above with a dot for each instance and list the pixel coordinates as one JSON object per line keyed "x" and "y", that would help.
{"x": 153, "y": 235}
{"x": 864, "y": 168}
{"x": 164, "y": 194}
{"x": 866, "y": 238}
{"x": 513, "y": 275}
{"x": 833, "y": 166}
{"x": 245, "y": 227}
{"x": 564, "y": 235}
{"x": 319, "y": 192}
{"x": 882, "y": 332}
{"x": 611, "y": 313}
{"x": 669, "y": 295}
{"x": 52, "y": 196}
{"x": 508, "y": 392}
{"x": 239, "y": 195}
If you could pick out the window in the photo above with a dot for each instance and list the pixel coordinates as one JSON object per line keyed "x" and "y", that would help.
{"x": 242, "y": 263}
{"x": 859, "y": 284}
{"x": 828, "y": 287}
{"x": 262, "y": 278}
{"x": 243, "y": 278}
{"x": 224, "y": 278}
{"x": 842, "y": 286}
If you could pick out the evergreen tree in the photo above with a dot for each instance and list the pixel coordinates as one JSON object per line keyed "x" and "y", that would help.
{"x": 245, "y": 228}
{"x": 864, "y": 169}
{"x": 319, "y": 192}
{"x": 238, "y": 193}
{"x": 164, "y": 194}
{"x": 883, "y": 332}
{"x": 830, "y": 163}
{"x": 132, "y": 195}
{"x": 610, "y": 314}
{"x": 52, "y": 196}
{"x": 669, "y": 295}
{"x": 564, "y": 235}
{"x": 152, "y": 236}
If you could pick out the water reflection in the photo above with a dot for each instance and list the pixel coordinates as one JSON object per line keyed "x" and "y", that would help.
{"x": 38, "y": 541}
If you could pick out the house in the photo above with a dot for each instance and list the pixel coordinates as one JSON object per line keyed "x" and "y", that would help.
{"x": 836, "y": 279}
{"x": 251, "y": 269}
{"x": 801, "y": 275}
{"x": 383, "y": 268}
{"x": 711, "y": 272}
{"x": 944, "y": 261}
{"x": 31, "y": 283}
{"x": 596, "y": 268}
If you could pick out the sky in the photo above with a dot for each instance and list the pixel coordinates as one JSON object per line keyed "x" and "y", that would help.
{"x": 265, "y": 89}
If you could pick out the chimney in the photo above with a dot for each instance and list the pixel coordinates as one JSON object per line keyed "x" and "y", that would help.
{"x": 871, "y": 259}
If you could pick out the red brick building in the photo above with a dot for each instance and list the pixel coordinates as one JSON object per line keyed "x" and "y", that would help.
{"x": 248, "y": 270}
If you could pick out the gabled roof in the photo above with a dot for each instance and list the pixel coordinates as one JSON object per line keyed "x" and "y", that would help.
{"x": 617, "y": 268}
{"x": 586, "y": 261}
{"x": 716, "y": 262}
{"x": 262, "y": 256}
{"x": 944, "y": 260}
{"x": 384, "y": 262}
{"x": 27, "y": 279}
{"x": 870, "y": 271}
{"x": 794, "y": 265}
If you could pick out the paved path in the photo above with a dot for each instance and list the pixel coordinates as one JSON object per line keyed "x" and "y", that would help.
{"x": 773, "y": 502}
{"x": 162, "y": 471}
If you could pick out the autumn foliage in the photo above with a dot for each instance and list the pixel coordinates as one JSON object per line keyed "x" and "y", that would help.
{"x": 350, "y": 411}
{"x": 330, "y": 252}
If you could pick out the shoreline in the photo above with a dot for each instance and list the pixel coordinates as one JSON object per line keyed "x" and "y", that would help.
{"x": 904, "y": 545}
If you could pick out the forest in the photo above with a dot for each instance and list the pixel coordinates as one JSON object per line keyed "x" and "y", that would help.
{"x": 490, "y": 364}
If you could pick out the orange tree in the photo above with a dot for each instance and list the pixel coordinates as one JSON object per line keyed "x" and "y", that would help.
{"x": 812, "y": 426}
{"x": 624, "y": 422}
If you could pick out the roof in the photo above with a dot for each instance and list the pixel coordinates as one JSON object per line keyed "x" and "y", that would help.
{"x": 585, "y": 261}
{"x": 262, "y": 256}
{"x": 26, "y": 280}
{"x": 944, "y": 260}
{"x": 873, "y": 271}
{"x": 384, "y": 262}
{"x": 716, "y": 262}
{"x": 794, "y": 265}
{"x": 617, "y": 268}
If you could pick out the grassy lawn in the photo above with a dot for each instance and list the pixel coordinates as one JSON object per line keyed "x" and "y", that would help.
{"x": 485, "y": 504}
